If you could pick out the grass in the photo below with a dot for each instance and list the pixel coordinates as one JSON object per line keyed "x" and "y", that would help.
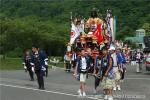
{"x": 16, "y": 64}
{"x": 11, "y": 64}
{"x": 61, "y": 65}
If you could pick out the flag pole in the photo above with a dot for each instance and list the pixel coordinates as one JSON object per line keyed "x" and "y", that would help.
{"x": 70, "y": 24}
{"x": 71, "y": 16}
{"x": 114, "y": 27}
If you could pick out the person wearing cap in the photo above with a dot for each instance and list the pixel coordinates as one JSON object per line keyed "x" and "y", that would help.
{"x": 107, "y": 73}
{"x": 39, "y": 58}
{"x": 116, "y": 72}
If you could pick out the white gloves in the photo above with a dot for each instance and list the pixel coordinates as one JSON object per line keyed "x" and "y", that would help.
{"x": 32, "y": 64}
{"x": 32, "y": 69}
{"x": 24, "y": 67}
{"x": 43, "y": 68}
{"x": 46, "y": 63}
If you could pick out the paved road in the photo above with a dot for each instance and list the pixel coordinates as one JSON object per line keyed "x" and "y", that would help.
{"x": 15, "y": 85}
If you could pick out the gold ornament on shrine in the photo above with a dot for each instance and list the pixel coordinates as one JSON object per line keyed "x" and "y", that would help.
{"x": 82, "y": 38}
{"x": 94, "y": 39}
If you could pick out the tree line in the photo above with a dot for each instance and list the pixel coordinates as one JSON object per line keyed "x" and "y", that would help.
{"x": 47, "y": 22}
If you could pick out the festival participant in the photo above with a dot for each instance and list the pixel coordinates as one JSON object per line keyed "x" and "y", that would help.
{"x": 90, "y": 60}
{"x": 27, "y": 59}
{"x": 67, "y": 61}
{"x": 97, "y": 72}
{"x": 74, "y": 59}
{"x": 116, "y": 72}
{"x": 133, "y": 59}
{"x": 38, "y": 61}
{"x": 79, "y": 26}
{"x": 121, "y": 64}
{"x": 82, "y": 68}
{"x": 107, "y": 73}
{"x": 139, "y": 58}
{"x": 68, "y": 47}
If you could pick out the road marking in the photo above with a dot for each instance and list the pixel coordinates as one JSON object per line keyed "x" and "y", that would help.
{"x": 54, "y": 92}
{"x": 148, "y": 79}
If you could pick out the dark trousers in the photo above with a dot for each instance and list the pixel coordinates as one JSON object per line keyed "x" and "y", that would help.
{"x": 74, "y": 64}
{"x": 40, "y": 79}
{"x": 46, "y": 71}
{"x": 140, "y": 66}
{"x": 123, "y": 74}
{"x": 97, "y": 81}
{"x": 68, "y": 66}
{"x": 31, "y": 74}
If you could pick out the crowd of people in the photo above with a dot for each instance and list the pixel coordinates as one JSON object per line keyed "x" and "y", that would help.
{"x": 136, "y": 58}
{"x": 107, "y": 67}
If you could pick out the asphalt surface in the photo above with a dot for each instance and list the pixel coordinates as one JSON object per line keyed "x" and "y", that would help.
{"x": 16, "y": 85}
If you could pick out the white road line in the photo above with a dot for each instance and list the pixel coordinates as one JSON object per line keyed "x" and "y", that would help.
{"x": 54, "y": 92}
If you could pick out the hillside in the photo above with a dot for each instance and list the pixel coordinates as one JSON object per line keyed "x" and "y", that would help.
{"x": 47, "y": 22}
